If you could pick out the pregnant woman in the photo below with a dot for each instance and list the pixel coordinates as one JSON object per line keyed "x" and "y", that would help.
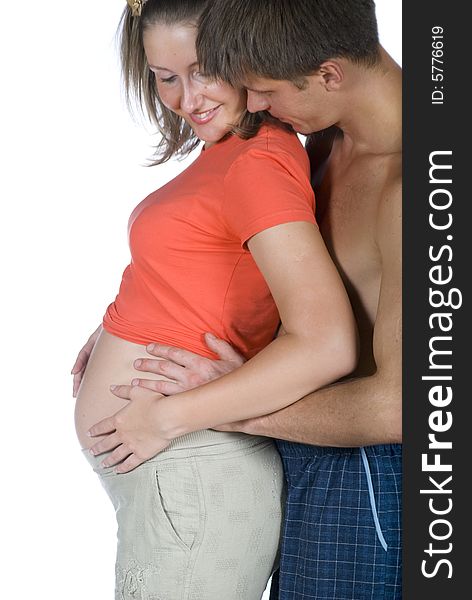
{"x": 229, "y": 246}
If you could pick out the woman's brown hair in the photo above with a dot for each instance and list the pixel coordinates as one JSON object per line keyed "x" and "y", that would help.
{"x": 176, "y": 136}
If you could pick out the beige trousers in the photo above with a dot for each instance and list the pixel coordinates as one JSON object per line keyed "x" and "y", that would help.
{"x": 199, "y": 521}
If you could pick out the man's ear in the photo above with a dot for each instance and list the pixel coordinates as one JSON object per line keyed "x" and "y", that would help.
{"x": 332, "y": 74}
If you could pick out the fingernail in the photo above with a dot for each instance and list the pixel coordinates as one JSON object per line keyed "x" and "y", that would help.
{"x": 92, "y": 451}
{"x": 151, "y": 347}
{"x": 113, "y": 387}
{"x": 211, "y": 336}
{"x": 138, "y": 363}
{"x": 135, "y": 382}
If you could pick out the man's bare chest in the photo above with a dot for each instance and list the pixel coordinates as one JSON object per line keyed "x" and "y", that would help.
{"x": 347, "y": 213}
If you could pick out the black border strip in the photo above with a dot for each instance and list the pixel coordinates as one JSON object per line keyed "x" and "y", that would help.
{"x": 444, "y": 129}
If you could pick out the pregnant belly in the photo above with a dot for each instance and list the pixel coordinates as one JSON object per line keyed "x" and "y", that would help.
{"x": 111, "y": 362}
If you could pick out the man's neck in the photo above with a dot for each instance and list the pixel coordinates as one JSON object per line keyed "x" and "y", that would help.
{"x": 372, "y": 119}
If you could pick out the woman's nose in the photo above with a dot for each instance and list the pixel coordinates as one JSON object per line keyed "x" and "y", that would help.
{"x": 191, "y": 98}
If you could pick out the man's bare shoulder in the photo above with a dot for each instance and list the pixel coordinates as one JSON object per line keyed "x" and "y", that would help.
{"x": 391, "y": 191}
{"x": 383, "y": 176}
{"x": 385, "y": 169}
{"x": 389, "y": 214}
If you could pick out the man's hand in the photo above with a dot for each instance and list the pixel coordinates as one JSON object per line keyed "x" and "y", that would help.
{"x": 186, "y": 369}
{"x": 133, "y": 434}
{"x": 82, "y": 359}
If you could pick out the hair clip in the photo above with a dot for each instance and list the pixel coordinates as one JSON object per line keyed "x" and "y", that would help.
{"x": 136, "y": 7}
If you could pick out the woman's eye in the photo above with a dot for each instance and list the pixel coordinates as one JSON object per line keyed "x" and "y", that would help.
{"x": 167, "y": 79}
{"x": 159, "y": 79}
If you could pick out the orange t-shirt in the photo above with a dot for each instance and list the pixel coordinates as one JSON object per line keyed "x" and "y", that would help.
{"x": 191, "y": 271}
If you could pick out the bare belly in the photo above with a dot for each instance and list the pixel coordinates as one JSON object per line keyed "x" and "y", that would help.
{"x": 111, "y": 362}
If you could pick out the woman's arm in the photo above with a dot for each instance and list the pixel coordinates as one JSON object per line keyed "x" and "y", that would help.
{"x": 319, "y": 347}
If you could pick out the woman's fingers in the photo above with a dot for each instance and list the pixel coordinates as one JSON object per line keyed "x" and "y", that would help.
{"x": 102, "y": 427}
{"x": 117, "y": 456}
{"x": 129, "y": 464}
{"x": 111, "y": 442}
{"x": 121, "y": 391}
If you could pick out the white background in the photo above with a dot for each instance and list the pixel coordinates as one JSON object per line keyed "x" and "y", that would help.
{"x": 70, "y": 174}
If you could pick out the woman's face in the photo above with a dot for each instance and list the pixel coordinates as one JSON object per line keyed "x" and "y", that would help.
{"x": 210, "y": 108}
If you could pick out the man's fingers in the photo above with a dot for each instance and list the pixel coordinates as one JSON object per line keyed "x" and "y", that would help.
{"x": 179, "y": 356}
{"x": 76, "y": 383}
{"x": 79, "y": 364}
{"x": 133, "y": 392}
{"x": 167, "y": 388}
{"x": 148, "y": 365}
{"x": 161, "y": 367}
{"x": 81, "y": 360}
{"x": 224, "y": 350}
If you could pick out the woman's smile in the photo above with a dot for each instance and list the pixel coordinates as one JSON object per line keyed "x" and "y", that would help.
{"x": 211, "y": 108}
{"x": 204, "y": 117}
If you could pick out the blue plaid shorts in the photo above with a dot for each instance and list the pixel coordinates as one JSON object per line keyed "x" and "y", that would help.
{"x": 342, "y": 527}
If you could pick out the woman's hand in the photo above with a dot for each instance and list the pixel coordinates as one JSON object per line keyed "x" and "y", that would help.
{"x": 187, "y": 370}
{"x": 82, "y": 359}
{"x": 135, "y": 433}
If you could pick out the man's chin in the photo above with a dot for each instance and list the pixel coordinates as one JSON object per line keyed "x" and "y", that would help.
{"x": 298, "y": 127}
{"x": 303, "y": 130}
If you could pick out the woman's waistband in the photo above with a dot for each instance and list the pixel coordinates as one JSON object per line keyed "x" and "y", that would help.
{"x": 206, "y": 442}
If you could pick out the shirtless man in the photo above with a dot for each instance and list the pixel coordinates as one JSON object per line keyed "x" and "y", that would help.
{"x": 324, "y": 72}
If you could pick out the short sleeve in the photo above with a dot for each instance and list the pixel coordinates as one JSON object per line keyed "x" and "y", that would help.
{"x": 264, "y": 188}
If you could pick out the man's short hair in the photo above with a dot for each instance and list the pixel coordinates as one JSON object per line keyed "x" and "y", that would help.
{"x": 284, "y": 39}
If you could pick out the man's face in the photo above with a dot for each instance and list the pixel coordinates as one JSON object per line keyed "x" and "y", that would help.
{"x": 306, "y": 110}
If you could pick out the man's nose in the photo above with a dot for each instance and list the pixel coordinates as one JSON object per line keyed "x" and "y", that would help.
{"x": 256, "y": 102}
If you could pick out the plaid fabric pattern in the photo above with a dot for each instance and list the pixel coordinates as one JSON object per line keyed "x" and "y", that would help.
{"x": 331, "y": 548}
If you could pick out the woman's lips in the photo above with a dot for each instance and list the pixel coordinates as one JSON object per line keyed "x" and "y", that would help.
{"x": 204, "y": 117}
